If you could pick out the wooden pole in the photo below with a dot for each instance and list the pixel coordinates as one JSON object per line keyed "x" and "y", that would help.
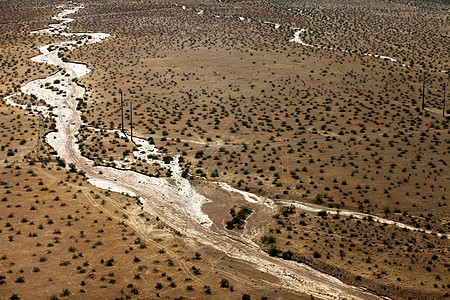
{"x": 131, "y": 120}
{"x": 423, "y": 92}
{"x": 41, "y": 134}
{"x": 443, "y": 104}
{"x": 121, "y": 108}
{"x": 40, "y": 130}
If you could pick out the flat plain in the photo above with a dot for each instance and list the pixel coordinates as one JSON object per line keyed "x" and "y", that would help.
{"x": 313, "y": 106}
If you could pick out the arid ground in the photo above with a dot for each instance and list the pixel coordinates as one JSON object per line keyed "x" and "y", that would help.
{"x": 281, "y": 150}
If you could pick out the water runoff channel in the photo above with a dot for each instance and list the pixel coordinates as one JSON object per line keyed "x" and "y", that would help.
{"x": 174, "y": 200}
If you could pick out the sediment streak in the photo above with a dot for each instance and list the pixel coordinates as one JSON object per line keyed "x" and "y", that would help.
{"x": 176, "y": 203}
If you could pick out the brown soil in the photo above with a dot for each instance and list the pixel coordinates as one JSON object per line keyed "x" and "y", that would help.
{"x": 245, "y": 106}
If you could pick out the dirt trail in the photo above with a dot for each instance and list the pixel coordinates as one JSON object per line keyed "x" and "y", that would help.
{"x": 176, "y": 203}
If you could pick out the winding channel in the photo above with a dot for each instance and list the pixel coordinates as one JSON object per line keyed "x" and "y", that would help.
{"x": 173, "y": 200}
{"x": 298, "y": 32}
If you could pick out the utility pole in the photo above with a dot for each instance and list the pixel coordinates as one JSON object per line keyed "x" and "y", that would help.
{"x": 40, "y": 132}
{"x": 443, "y": 104}
{"x": 423, "y": 92}
{"x": 131, "y": 120}
{"x": 121, "y": 108}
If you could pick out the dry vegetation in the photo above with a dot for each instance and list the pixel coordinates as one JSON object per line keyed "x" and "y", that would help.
{"x": 17, "y": 45}
{"x": 284, "y": 121}
{"x": 384, "y": 258}
{"x": 243, "y": 105}
{"x": 78, "y": 240}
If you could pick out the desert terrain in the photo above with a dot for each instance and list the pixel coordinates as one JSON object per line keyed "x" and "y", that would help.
{"x": 279, "y": 149}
